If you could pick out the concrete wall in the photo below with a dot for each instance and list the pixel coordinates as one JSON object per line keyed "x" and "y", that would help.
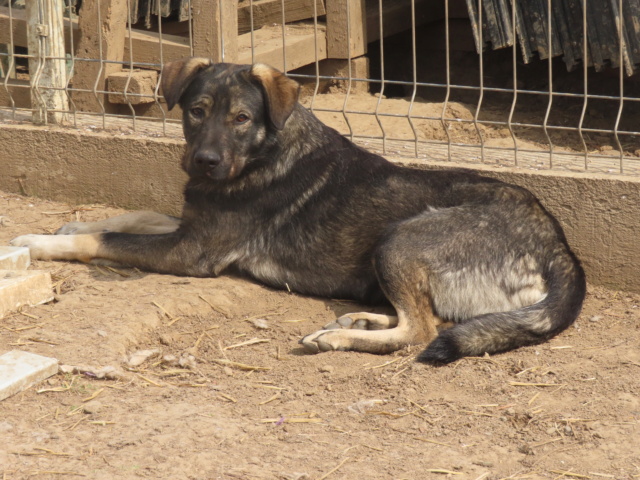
{"x": 600, "y": 213}
{"x": 82, "y": 167}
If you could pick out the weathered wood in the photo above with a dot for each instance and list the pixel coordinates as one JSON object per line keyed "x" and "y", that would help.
{"x": 333, "y": 67}
{"x": 146, "y": 47}
{"x": 6, "y": 68}
{"x": 110, "y": 34}
{"x": 215, "y": 29}
{"x": 268, "y": 12}
{"x": 346, "y": 28}
{"x": 18, "y": 94}
{"x": 47, "y": 70}
{"x": 301, "y": 43}
{"x": 19, "y": 27}
{"x": 140, "y": 86}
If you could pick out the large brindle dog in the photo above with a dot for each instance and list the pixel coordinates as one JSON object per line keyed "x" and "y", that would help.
{"x": 277, "y": 196}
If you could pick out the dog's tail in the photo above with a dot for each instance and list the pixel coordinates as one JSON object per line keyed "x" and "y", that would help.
{"x": 498, "y": 332}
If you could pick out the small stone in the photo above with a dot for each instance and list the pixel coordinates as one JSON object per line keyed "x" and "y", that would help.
{"x": 5, "y": 427}
{"x": 228, "y": 371}
{"x": 170, "y": 360}
{"x": 101, "y": 333}
{"x": 94, "y": 406}
{"x": 169, "y": 338}
{"x": 595, "y": 318}
{"x": 260, "y": 323}
{"x": 187, "y": 361}
{"x": 326, "y": 369}
{"x": 138, "y": 358}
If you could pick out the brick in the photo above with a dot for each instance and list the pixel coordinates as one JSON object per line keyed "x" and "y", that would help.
{"x": 19, "y": 370}
{"x": 141, "y": 82}
{"x": 14, "y": 258}
{"x": 23, "y": 287}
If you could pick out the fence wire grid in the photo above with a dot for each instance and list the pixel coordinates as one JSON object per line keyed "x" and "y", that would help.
{"x": 538, "y": 85}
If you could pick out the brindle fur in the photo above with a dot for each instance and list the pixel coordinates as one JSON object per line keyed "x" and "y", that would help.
{"x": 275, "y": 195}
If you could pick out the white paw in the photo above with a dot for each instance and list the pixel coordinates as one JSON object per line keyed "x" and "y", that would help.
{"x": 324, "y": 341}
{"x": 41, "y": 247}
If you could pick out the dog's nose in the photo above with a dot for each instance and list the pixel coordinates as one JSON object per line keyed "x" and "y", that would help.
{"x": 207, "y": 160}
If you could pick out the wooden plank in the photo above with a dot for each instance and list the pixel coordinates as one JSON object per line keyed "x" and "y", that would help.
{"x": 140, "y": 86}
{"x": 17, "y": 94}
{"x": 104, "y": 41}
{"x": 268, "y": 12}
{"x": 346, "y": 28}
{"x": 301, "y": 43}
{"x": 145, "y": 44}
{"x": 47, "y": 69}
{"x": 146, "y": 48}
{"x": 215, "y": 29}
{"x": 18, "y": 26}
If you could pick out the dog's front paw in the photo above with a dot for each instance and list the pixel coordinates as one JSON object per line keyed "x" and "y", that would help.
{"x": 39, "y": 245}
{"x": 325, "y": 341}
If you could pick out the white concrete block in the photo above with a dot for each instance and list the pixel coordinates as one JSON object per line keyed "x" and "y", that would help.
{"x": 19, "y": 370}
{"x": 23, "y": 287}
{"x": 14, "y": 258}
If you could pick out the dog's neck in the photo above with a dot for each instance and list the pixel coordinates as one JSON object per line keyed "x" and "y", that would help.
{"x": 302, "y": 134}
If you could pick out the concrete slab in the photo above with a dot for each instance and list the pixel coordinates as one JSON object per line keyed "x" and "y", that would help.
{"x": 14, "y": 258}
{"x": 23, "y": 287}
{"x": 19, "y": 370}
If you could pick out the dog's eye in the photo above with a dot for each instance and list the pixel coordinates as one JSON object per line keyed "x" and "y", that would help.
{"x": 242, "y": 118}
{"x": 197, "y": 112}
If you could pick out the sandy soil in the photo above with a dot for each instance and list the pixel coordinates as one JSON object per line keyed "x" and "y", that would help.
{"x": 569, "y": 408}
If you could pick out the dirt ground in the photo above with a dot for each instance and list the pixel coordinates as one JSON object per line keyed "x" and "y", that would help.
{"x": 230, "y": 394}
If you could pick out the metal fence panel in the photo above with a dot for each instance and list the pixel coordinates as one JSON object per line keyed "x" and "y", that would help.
{"x": 462, "y": 81}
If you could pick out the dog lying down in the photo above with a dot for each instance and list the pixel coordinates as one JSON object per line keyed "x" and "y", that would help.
{"x": 275, "y": 195}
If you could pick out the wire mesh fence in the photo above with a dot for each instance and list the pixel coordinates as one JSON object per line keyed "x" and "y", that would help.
{"x": 545, "y": 85}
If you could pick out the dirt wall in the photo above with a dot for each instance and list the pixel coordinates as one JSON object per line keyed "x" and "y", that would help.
{"x": 599, "y": 213}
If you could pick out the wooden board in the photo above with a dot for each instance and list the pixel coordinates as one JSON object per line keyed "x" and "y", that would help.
{"x": 19, "y": 28}
{"x": 346, "y": 28}
{"x": 93, "y": 43}
{"x": 269, "y": 12}
{"x": 300, "y": 46}
{"x": 215, "y": 29}
{"x": 46, "y": 49}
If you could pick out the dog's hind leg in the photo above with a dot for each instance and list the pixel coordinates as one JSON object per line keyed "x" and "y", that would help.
{"x": 404, "y": 281}
{"x": 143, "y": 222}
{"x": 349, "y": 335}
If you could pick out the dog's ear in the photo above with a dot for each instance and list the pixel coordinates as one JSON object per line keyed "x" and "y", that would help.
{"x": 176, "y": 77}
{"x": 281, "y": 92}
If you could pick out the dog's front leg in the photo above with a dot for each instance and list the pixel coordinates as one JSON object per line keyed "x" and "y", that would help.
{"x": 174, "y": 253}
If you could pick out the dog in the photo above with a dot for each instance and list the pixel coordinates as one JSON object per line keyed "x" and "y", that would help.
{"x": 275, "y": 195}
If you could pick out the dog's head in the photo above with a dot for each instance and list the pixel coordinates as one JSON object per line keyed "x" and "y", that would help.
{"x": 230, "y": 112}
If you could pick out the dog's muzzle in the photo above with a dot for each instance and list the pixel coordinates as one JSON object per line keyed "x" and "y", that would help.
{"x": 206, "y": 161}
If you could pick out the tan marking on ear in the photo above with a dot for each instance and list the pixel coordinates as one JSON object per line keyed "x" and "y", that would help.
{"x": 281, "y": 92}
{"x": 176, "y": 77}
